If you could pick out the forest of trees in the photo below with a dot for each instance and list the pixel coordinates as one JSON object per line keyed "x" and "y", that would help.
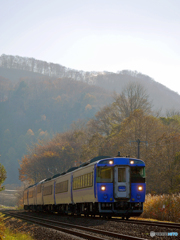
{"x": 16, "y": 67}
{"x": 42, "y": 67}
{"x": 39, "y": 101}
{"x": 36, "y": 109}
{"x": 116, "y": 127}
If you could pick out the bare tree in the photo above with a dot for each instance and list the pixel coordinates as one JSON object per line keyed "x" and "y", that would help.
{"x": 109, "y": 118}
{"x": 103, "y": 121}
{"x": 132, "y": 97}
{"x": 172, "y": 112}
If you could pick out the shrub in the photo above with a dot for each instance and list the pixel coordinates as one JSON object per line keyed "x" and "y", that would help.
{"x": 164, "y": 207}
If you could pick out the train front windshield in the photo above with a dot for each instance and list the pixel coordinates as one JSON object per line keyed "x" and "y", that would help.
{"x": 138, "y": 174}
{"x": 104, "y": 175}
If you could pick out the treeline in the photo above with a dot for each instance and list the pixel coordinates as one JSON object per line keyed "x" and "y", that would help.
{"x": 42, "y": 67}
{"x": 104, "y": 79}
{"x": 116, "y": 127}
{"x": 36, "y": 109}
{"x": 16, "y": 67}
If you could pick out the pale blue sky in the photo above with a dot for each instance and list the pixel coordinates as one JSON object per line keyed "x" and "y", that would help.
{"x": 100, "y": 35}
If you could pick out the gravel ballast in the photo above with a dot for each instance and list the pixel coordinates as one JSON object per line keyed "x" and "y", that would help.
{"x": 142, "y": 231}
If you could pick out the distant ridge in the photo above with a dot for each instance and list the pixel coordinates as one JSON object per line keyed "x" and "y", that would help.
{"x": 42, "y": 67}
{"x": 15, "y": 68}
{"x": 39, "y": 99}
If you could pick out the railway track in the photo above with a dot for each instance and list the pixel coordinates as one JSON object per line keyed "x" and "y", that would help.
{"x": 75, "y": 230}
{"x": 150, "y": 223}
{"x": 144, "y": 222}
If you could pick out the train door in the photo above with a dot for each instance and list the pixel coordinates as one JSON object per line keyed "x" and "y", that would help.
{"x": 121, "y": 182}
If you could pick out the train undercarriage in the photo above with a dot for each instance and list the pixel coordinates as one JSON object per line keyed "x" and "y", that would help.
{"x": 119, "y": 209}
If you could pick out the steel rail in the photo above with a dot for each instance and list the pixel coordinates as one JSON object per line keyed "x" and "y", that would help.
{"x": 150, "y": 223}
{"x": 97, "y": 231}
{"x": 66, "y": 230}
{"x": 144, "y": 222}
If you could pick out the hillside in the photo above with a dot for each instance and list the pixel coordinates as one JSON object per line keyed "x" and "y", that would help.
{"x": 36, "y": 108}
{"x": 39, "y": 99}
{"x": 16, "y": 68}
{"x": 162, "y": 97}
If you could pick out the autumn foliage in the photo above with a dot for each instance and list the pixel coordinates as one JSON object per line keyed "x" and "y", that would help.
{"x": 48, "y": 158}
{"x": 161, "y": 155}
{"x": 162, "y": 207}
{"x": 114, "y": 128}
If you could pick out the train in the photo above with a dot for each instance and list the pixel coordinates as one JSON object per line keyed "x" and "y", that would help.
{"x": 104, "y": 186}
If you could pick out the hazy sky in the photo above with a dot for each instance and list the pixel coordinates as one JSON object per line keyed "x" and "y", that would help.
{"x": 97, "y": 35}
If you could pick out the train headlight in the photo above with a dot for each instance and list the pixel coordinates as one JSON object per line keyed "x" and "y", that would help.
{"x": 111, "y": 162}
{"x": 103, "y": 188}
{"x": 140, "y": 188}
{"x": 131, "y": 162}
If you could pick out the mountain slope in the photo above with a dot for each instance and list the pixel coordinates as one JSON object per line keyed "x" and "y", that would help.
{"x": 38, "y": 99}
{"x": 35, "y": 109}
{"x": 16, "y": 68}
{"x": 162, "y": 97}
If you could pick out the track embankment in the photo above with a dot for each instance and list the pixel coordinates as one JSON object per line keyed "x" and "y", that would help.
{"x": 96, "y": 228}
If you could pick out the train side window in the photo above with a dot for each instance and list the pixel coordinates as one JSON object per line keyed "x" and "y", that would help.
{"x": 74, "y": 183}
{"x": 121, "y": 174}
{"x": 31, "y": 194}
{"x": 39, "y": 188}
{"x": 83, "y": 181}
{"x": 79, "y": 182}
{"x": 91, "y": 180}
{"x": 138, "y": 174}
{"x": 25, "y": 195}
{"x": 88, "y": 179}
{"x": 104, "y": 175}
{"x": 47, "y": 190}
{"x": 62, "y": 187}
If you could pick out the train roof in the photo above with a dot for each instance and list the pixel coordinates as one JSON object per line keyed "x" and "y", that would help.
{"x": 96, "y": 159}
{"x": 93, "y": 160}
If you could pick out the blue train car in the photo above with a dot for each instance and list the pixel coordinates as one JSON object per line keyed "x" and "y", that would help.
{"x": 105, "y": 186}
{"x": 120, "y": 186}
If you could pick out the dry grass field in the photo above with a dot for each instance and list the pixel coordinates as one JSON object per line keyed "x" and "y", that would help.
{"x": 164, "y": 207}
{"x": 11, "y": 234}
